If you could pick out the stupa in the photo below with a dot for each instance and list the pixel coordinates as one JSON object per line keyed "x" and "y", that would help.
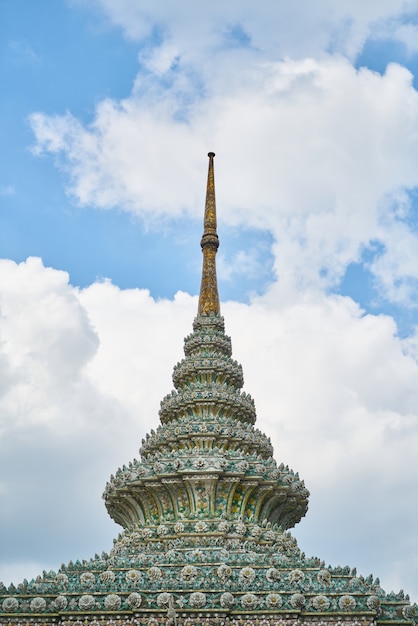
{"x": 206, "y": 515}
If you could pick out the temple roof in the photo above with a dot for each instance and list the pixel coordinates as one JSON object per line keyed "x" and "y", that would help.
{"x": 205, "y": 513}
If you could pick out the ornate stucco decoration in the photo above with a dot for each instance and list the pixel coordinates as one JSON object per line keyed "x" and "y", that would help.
{"x": 205, "y": 514}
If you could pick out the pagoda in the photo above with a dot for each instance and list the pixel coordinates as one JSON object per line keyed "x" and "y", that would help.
{"x": 206, "y": 515}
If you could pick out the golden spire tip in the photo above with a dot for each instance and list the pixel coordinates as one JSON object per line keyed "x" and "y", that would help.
{"x": 209, "y": 299}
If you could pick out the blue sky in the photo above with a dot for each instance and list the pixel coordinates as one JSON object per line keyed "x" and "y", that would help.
{"x": 67, "y": 57}
{"x": 108, "y": 109}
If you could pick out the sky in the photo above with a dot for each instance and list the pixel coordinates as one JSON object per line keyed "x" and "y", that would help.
{"x": 107, "y": 111}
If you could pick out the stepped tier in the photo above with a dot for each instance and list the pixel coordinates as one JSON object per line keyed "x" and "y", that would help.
{"x": 208, "y": 380}
{"x": 264, "y": 580}
{"x": 206, "y": 460}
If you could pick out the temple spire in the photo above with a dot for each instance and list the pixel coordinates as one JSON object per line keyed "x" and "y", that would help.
{"x": 209, "y": 298}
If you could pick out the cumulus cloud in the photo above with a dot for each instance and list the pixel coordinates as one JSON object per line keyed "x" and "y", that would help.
{"x": 335, "y": 389}
{"x": 56, "y": 428}
{"x": 270, "y": 27}
{"x": 399, "y": 31}
{"x": 44, "y": 351}
{"x": 319, "y": 153}
{"x": 316, "y": 152}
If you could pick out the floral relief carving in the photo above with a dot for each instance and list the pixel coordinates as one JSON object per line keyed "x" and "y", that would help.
{"x": 249, "y": 601}
{"x": 112, "y": 602}
{"x": 296, "y": 576}
{"x": 247, "y": 575}
{"x": 88, "y": 579}
{"x": 38, "y": 605}
{"x": 272, "y": 574}
{"x": 107, "y": 577}
{"x": 86, "y": 602}
{"x": 134, "y": 600}
{"x": 324, "y": 576}
{"x": 298, "y": 601}
{"x": 61, "y": 579}
{"x": 61, "y": 603}
{"x": 321, "y": 603}
{"x": 347, "y": 603}
{"x": 133, "y": 576}
{"x": 197, "y": 600}
{"x": 163, "y": 599}
{"x": 274, "y": 601}
{"x": 373, "y": 602}
{"x": 188, "y": 573}
{"x": 227, "y": 600}
{"x": 10, "y": 605}
{"x": 224, "y": 571}
{"x": 155, "y": 573}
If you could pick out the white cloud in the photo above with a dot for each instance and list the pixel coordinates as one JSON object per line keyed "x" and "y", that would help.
{"x": 335, "y": 389}
{"x": 399, "y": 258}
{"x": 320, "y": 154}
{"x": 161, "y": 60}
{"x": 134, "y": 336}
{"x": 43, "y": 352}
{"x": 399, "y": 31}
{"x": 314, "y": 151}
{"x": 274, "y": 28}
{"x": 245, "y": 263}
{"x": 48, "y": 412}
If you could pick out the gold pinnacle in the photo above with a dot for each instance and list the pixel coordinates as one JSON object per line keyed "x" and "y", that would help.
{"x": 209, "y": 298}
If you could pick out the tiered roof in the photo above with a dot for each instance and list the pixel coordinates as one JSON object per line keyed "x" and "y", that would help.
{"x": 205, "y": 513}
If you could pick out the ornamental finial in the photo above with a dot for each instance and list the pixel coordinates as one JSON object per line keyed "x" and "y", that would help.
{"x": 209, "y": 299}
